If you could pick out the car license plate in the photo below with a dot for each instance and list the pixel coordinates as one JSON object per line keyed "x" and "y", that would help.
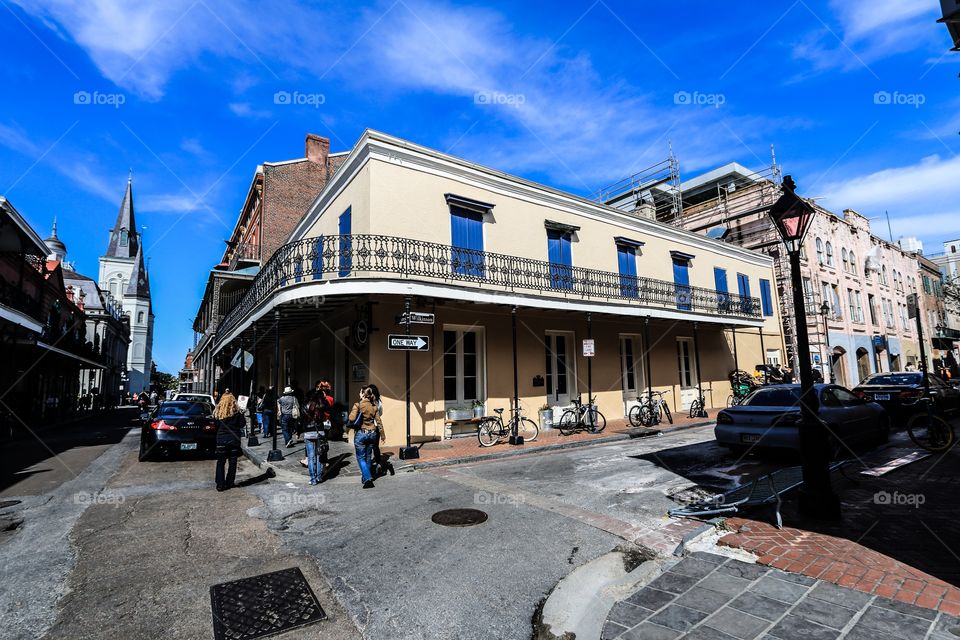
{"x": 881, "y": 396}
{"x": 188, "y": 446}
{"x": 749, "y": 437}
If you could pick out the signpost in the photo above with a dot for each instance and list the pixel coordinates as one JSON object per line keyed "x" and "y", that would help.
{"x": 913, "y": 312}
{"x": 589, "y": 348}
{"x": 408, "y": 343}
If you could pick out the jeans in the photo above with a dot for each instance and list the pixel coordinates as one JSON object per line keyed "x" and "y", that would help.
{"x": 363, "y": 443}
{"x": 266, "y": 423}
{"x": 231, "y": 470}
{"x": 314, "y": 463}
{"x": 286, "y": 422}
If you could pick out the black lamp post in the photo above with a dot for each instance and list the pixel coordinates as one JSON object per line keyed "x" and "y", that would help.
{"x": 275, "y": 454}
{"x": 825, "y": 312}
{"x": 791, "y": 216}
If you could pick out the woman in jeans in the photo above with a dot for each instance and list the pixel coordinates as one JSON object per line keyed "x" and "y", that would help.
{"x": 368, "y": 431}
{"x": 315, "y": 439}
{"x": 230, "y": 423}
{"x": 287, "y": 407}
{"x": 381, "y": 464}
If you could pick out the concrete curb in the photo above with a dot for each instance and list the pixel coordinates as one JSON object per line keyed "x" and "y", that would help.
{"x": 260, "y": 460}
{"x": 509, "y": 453}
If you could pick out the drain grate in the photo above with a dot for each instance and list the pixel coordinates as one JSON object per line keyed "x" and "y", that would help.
{"x": 263, "y": 605}
{"x": 459, "y": 517}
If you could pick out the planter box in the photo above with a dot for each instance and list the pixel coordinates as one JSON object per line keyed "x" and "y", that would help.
{"x": 546, "y": 419}
{"x": 459, "y": 414}
{"x": 478, "y": 412}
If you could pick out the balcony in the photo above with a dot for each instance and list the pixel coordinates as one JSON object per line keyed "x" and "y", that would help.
{"x": 15, "y": 298}
{"x": 244, "y": 253}
{"x": 373, "y": 257}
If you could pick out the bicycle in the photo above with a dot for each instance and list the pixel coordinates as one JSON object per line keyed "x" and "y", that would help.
{"x": 698, "y": 408}
{"x": 582, "y": 418}
{"x": 929, "y": 429}
{"x": 492, "y": 429}
{"x": 649, "y": 412}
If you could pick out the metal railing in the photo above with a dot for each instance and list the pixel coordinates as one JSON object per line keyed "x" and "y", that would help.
{"x": 366, "y": 256}
{"x": 247, "y": 252}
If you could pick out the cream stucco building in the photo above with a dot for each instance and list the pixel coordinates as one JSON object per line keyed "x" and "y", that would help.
{"x": 667, "y": 309}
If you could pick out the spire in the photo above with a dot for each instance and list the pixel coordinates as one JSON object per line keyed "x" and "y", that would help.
{"x": 58, "y": 250}
{"x": 53, "y": 232}
{"x": 124, "y": 239}
{"x": 139, "y": 286}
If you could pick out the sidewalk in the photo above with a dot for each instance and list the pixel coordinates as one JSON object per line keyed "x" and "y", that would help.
{"x": 711, "y": 597}
{"x": 466, "y": 448}
{"x": 898, "y": 538}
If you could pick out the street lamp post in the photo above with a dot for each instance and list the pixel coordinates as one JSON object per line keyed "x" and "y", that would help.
{"x": 791, "y": 216}
{"x": 275, "y": 454}
{"x": 825, "y": 311}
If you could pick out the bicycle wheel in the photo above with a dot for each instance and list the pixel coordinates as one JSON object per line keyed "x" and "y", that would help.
{"x": 634, "y": 415}
{"x": 647, "y": 415}
{"x": 528, "y": 429}
{"x": 930, "y": 431}
{"x": 731, "y": 401}
{"x": 595, "y": 420}
{"x": 568, "y": 422}
{"x": 694, "y": 409}
{"x": 666, "y": 412}
{"x": 488, "y": 433}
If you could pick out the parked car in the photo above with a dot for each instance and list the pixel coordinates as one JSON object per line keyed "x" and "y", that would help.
{"x": 899, "y": 392}
{"x": 770, "y": 416}
{"x": 195, "y": 397}
{"x": 178, "y": 426}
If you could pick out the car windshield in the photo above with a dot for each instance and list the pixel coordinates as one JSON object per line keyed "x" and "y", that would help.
{"x": 895, "y": 379}
{"x": 773, "y": 397}
{"x": 186, "y": 398}
{"x": 184, "y": 410}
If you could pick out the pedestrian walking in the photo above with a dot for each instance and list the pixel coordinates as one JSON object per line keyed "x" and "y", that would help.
{"x": 268, "y": 411}
{"x": 288, "y": 410}
{"x": 230, "y": 423}
{"x": 315, "y": 438}
{"x": 381, "y": 465}
{"x": 365, "y": 419}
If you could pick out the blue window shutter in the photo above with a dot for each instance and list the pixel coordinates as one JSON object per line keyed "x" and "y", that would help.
{"x": 766, "y": 301}
{"x": 466, "y": 233}
{"x": 346, "y": 258}
{"x": 317, "y": 265}
{"x": 743, "y": 286}
{"x": 681, "y": 281}
{"x": 561, "y": 259}
{"x": 627, "y": 261}
{"x": 723, "y": 297}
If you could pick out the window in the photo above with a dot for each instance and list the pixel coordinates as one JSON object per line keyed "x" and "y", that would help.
{"x": 723, "y": 295}
{"x": 858, "y": 298}
{"x": 467, "y": 241}
{"x": 827, "y": 296}
{"x": 820, "y": 259}
{"x": 140, "y": 317}
{"x": 853, "y": 263}
{"x": 681, "y": 281}
{"x": 743, "y": 286}
{"x": 462, "y": 366}
{"x": 627, "y": 263}
{"x": 766, "y": 301}
{"x": 883, "y": 275}
{"x": 829, "y": 254}
{"x": 685, "y": 363}
{"x": 845, "y": 259}
{"x": 872, "y": 303}
{"x": 561, "y": 260}
{"x": 346, "y": 250}
{"x": 124, "y": 237}
{"x": 835, "y": 298}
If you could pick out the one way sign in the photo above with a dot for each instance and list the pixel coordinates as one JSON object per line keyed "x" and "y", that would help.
{"x": 400, "y": 342}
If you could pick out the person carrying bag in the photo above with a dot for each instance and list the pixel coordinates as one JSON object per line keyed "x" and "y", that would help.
{"x": 365, "y": 419}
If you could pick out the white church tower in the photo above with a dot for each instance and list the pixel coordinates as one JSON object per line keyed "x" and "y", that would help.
{"x": 123, "y": 273}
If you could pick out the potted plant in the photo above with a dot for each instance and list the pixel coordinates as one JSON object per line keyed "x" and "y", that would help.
{"x": 478, "y": 409}
{"x": 546, "y": 417}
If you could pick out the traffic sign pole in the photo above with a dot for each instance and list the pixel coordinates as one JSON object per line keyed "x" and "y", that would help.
{"x": 408, "y": 451}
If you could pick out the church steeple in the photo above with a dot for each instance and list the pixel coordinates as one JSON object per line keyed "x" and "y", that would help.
{"x": 124, "y": 239}
{"x": 139, "y": 286}
{"x": 58, "y": 250}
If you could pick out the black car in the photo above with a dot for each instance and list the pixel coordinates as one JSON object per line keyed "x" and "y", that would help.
{"x": 898, "y": 392}
{"x": 176, "y": 427}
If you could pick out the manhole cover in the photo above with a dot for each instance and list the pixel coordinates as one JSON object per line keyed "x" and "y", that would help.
{"x": 8, "y": 503}
{"x": 263, "y": 605}
{"x": 459, "y": 517}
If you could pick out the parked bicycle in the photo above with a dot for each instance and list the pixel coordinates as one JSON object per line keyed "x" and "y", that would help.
{"x": 493, "y": 429}
{"x": 698, "y": 408}
{"x": 650, "y": 411}
{"x": 929, "y": 428}
{"x": 582, "y": 418}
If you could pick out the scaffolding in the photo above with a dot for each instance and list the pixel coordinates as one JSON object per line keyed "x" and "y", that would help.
{"x": 653, "y": 192}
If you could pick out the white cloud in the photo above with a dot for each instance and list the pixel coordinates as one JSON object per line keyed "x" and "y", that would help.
{"x": 246, "y": 110}
{"x": 923, "y": 198}
{"x": 169, "y": 203}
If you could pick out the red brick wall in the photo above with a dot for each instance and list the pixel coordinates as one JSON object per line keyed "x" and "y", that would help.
{"x": 288, "y": 191}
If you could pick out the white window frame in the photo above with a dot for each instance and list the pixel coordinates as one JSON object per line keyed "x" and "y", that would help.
{"x": 690, "y": 370}
{"x": 460, "y": 400}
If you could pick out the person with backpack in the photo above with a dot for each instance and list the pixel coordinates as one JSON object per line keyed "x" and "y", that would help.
{"x": 230, "y": 423}
{"x": 365, "y": 419}
{"x": 288, "y": 410}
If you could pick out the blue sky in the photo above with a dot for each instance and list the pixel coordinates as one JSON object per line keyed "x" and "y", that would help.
{"x": 584, "y": 93}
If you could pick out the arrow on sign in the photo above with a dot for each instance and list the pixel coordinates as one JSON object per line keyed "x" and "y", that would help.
{"x": 396, "y": 342}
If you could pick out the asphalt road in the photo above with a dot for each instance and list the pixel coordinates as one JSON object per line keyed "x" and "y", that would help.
{"x": 127, "y": 549}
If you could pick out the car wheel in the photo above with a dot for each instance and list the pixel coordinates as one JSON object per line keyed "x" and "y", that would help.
{"x": 144, "y": 455}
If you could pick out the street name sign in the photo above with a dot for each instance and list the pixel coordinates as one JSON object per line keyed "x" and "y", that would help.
{"x": 414, "y": 317}
{"x": 400, "y": 342}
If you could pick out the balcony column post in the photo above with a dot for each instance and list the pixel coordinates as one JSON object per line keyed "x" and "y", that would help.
{"x": 590, "y": 367}
{"x": 736, "y": 360}
{"x": 514, "y": 437}
{"x": 696, "y": 360}
{"x": 763, "y": 353}
{"x": 252, "y": 440}
{"x": 646, "y": 356}
{"x": 275, "y": 454}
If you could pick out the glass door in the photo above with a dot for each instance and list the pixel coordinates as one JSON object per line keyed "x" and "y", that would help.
{"x": 561, "y": 363}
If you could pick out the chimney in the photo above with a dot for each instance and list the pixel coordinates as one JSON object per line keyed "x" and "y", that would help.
{"x": 317, "y": 149}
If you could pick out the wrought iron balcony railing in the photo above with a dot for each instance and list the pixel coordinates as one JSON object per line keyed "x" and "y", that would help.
{"x": 384, "y": 257}
{"x": 244, "y": 252}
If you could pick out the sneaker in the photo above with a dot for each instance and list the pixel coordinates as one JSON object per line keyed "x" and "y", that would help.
{"x": 289, "y": 443}
{"x": 313, "y": 482}
{"x": 390, "y": 468}
{"x": 368, "y": 484}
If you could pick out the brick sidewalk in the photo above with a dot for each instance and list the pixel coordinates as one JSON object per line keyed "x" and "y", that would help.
{"x": 907, "y": 551}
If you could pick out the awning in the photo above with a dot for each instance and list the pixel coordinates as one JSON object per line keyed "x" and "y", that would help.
{"x": 627, "y": 242}
{"x": 49, "y": 347}
{"x": 16, "y": 317}
{"x": 680, "y": 255}
{"x": 559, "y": 226}
{"x": 468, "y": 203}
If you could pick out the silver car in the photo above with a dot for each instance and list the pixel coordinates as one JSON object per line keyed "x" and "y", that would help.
{"x": 770, "y": 416}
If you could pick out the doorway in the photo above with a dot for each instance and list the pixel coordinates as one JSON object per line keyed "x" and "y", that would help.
{"x": 688, "y": 375}
{"x": 863, "y": 364}
{"x": 341, "y": 364}
{"x": 631, "y": 370}
{"x": 561, "y": 378}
